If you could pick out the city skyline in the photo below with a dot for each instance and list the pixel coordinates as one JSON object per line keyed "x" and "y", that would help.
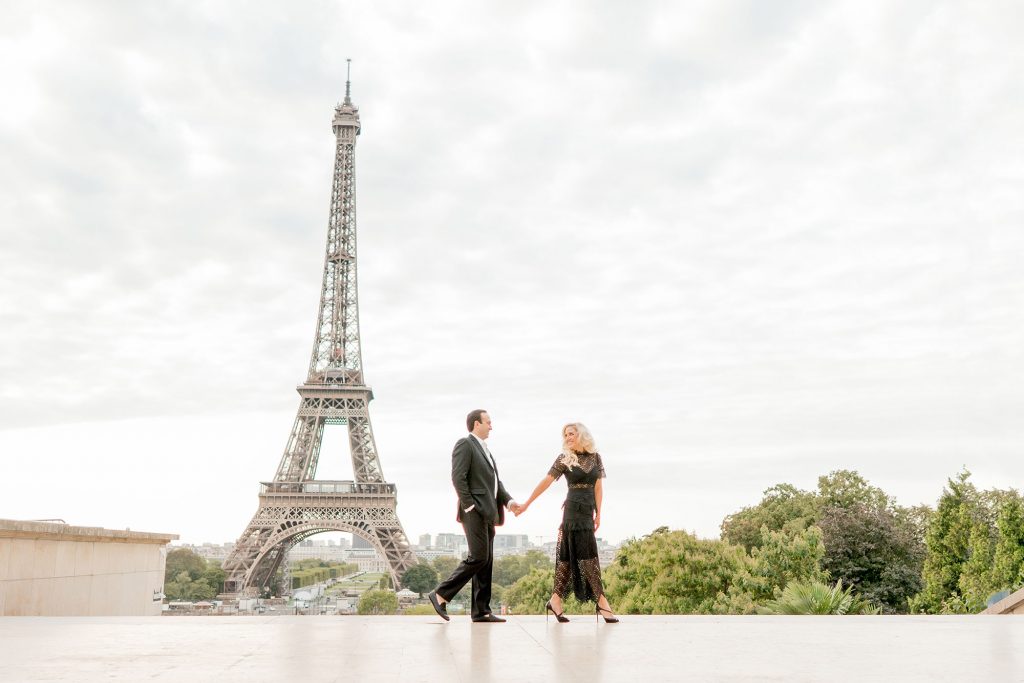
{"x": 745, "y": 246}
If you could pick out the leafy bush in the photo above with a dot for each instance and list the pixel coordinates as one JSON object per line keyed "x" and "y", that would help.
{"x": 420, "y": 578}
{"x": 377, "y": 602}
{"x": 529, "y": 594}
{"x": 814, "y": 597}
{"x": 673, "y": 572}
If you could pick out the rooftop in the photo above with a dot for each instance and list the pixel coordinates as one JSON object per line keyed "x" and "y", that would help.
{"x": 400, "y": 648}
{"x": 47, "y": 529}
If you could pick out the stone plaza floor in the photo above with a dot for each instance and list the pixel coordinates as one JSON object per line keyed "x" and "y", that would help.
{"x": 318, "y": 649}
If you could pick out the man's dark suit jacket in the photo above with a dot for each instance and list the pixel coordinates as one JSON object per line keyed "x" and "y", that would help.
{"x": 474, "y": 478}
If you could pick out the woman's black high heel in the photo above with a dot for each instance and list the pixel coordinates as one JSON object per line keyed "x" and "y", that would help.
{"x": 562, "y": 619}
{"x": 608, "y": 620}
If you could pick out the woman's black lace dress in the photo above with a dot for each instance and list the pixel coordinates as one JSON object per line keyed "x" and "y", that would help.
{"x": 576, "y": 559}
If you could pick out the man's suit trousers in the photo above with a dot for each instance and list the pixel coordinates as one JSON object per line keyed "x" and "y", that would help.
{"x": 477, "y": 566}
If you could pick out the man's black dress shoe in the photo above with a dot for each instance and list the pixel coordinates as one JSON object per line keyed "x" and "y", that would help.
{"x": 442, "y": 610}
{"x": 490, "y": 619}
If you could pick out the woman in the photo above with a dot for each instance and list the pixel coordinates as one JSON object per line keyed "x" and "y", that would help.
{"x": 576, "y": 561}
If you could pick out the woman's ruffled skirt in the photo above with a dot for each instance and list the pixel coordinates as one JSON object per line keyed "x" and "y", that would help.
{"x": 576, "y": 562}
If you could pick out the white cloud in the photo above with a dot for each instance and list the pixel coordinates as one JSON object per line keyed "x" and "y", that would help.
{"x": 744, "y": 244}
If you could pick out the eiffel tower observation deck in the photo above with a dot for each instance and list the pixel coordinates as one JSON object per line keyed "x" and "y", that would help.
{"x": 296, "y": 505}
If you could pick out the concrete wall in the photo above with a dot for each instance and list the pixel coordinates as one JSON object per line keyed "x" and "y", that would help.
{"x": 49, "y": 569}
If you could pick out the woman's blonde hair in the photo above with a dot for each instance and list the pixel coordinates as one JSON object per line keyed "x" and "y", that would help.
{"x": 584, "y": 440}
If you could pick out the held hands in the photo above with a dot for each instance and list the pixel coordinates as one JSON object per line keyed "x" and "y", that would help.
{"x": 517, "y": 508}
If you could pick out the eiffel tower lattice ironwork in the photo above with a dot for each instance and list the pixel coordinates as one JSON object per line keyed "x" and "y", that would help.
{"x": 295, "y": 505}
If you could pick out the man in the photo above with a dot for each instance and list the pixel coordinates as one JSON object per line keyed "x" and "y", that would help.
{"x": 482, "y": 502}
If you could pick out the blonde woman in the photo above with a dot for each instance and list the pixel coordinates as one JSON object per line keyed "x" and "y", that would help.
{"x": 576, "y": 561}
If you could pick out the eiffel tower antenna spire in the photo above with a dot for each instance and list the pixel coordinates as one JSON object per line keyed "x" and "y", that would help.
{"x": 296, "y": 505}
{"x": 348, "y": 83}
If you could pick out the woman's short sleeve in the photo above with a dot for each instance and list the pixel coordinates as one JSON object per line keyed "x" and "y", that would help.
{"x": 558, "y": 469}
{"x": 600, "y": 466}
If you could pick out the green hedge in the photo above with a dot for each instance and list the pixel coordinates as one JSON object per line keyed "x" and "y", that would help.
{"x": 308, "y": 575}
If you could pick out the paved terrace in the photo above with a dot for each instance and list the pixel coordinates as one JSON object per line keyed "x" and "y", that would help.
{"x": 654, "y": 648}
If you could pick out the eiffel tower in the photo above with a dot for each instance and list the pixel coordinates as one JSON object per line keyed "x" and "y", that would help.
{"x": 295, "y": 505}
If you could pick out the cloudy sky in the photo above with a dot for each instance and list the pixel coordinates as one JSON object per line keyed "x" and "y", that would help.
{"x": 744, "y": 242}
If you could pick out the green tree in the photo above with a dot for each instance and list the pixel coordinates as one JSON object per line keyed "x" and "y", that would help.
{"x": 420, "y": 578}
{"x": 673, "y": 572}
{"x": 179, "y": 588}
{"x": 915, "y": 519}
{"x": 848, "y": 490}
{"x": 871, "y": 544}
{"x": 993, "y": 542}
{"x": 783, "y": 505}
{"x": 188, "y": 576}
{"x": 529, "y": 594}
{"x": 511, "y": 568}
{"x": 875, "y": 552}
{"x": 214, "y": 575}
{"x": 184, "y": 560}
{"x": 377, "y": 602}
{"x": 783, "y": 556}
{"x": 976, "y": 579}
{"x": 444, "y": 565}
{"x": 948, "y": 542}
{"x": 968, "y": 556}
{"x": 183, "y": 588}
{"x": 1008, "y": 558}
{"x": 201, "y": 590}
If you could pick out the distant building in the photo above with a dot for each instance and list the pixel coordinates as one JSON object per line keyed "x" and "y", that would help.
{"x": 367, "y": 560}
{"x": 431, "y": 553}
{"x": 208, "y": 551}
{"x": 327, "y": 553}
{"x": 359, "y": 543}
{"x": 451, "y": 541}
{"x": 406, "y": 598}
{"x": 425, "y": 541}
{"x": 325, "y": 543}
{"x": 511, "y": 541}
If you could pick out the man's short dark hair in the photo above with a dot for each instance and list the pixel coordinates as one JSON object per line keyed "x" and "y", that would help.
{"x": 474, "y": 417}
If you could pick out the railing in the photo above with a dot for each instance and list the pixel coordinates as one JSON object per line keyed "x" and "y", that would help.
{"x": 319, "y": 488}
{"x": 336, "y": 376}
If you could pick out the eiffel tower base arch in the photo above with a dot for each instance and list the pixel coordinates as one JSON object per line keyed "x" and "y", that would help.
{"x": 286, "y": 517}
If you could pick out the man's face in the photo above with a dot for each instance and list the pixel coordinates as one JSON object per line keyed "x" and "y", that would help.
{"x": 483, "y": 427}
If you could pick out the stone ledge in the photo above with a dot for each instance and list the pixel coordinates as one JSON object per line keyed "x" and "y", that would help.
{"x": 12, "y": 528}
{"x": 1011, "y": 604}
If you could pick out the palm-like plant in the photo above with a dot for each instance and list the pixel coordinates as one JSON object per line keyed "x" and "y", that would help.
{"x": 814, "y": 597}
